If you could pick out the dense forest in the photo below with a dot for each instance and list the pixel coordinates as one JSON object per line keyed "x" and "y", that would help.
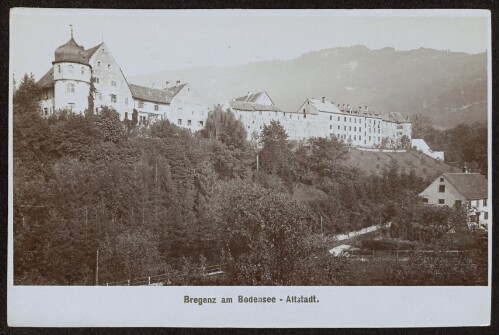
{"x": 91, "y": 189}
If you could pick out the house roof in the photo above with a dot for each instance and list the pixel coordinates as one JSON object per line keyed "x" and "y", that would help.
{"x": 395, "y": 117}
{"x": 47, "y": 80}
{"x": 325, "y": 107}
{"x": 471, "y": 185}
{"x": 174, "y": 90}
{"x": 150, "y": 94}
{"x": 251, "y": 97}
{"x": 248, "y": 106}
{"x": 91, "y": 51}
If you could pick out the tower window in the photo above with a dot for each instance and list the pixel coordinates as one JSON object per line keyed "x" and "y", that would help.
{"x": 98, "y": 63}
{"x": 59, "y": 68}
{"x": 82, "y": 70}
{"x": 70, "y": 68}
{"x": 71, "y": 88}
{"x": 156, "y": 107}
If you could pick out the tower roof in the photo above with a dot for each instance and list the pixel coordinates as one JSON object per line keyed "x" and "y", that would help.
{"x": 71, "y": 52}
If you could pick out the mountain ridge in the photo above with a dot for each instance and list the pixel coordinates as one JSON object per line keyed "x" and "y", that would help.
{"x": 448, "y": 87}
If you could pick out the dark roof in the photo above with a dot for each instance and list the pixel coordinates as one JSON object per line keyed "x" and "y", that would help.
{"x": 248, "y": 106}
{"x": 471, "y": 185}
{"x": 71, "y": 52}
{"x": 47, "y": 80}
{"x": 150, "y": 94}
{"x": 91, "y": 51}
{"x": 174, "y": 90}
{"x": 250, "y": 97}
{"x": 395, "y": 117}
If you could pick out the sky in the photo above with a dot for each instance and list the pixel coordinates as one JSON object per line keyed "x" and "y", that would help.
{"x": 145, "y": 41}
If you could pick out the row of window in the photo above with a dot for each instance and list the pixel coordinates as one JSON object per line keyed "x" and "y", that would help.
{"x": 189, "y": 123}
{"x": 71, "y": 69}
{"x": 97, "y": 81}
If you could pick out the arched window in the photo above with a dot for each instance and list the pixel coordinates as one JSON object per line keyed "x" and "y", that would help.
{"x": 58, "y": 68}
{"x": 70, "y": 68}
{"x": 82, "y": 70}
{"x": 71, "y": 88}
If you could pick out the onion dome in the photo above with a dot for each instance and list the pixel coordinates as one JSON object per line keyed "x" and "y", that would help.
{"x": 71, "y": 52}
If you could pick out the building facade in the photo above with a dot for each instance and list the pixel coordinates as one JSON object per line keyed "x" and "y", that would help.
{"x": 80, "y": 75}
{"x": 322, "y": 118}
{"x": 461, "y": 189}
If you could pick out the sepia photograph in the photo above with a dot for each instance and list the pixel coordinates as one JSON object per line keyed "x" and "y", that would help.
{"x": 250, "y": 148}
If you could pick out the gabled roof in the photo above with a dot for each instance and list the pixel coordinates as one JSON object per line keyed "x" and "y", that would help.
{"x": 395, "y": 117}
{"x": 47, "y": 80}
{"x": 325, "y": 107}
{"x": 175, "y": 89}
{"x": 150, "y": 94}
{"x": 252, "y": 97}
{"x": 91, "y": 51}
{"x": 248, "y": 106}
{"x": 471, "y": 185}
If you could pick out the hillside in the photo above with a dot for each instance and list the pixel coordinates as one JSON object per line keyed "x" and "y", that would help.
{"x": 375, "y": 162}
{"x": 448, "y": 87}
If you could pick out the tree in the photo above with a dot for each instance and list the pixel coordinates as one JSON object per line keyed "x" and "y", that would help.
{"x": 263, "y": 233}
{"x": 109, "y": 125}
{"x": 275, "y": 154}
{"x": 223, "y": 126}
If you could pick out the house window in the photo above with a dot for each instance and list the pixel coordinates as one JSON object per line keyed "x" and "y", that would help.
{"x": 126, "y": 115}
{"x": 338, "y": 127}
{"x": 113, "y": 83}
{"x": 71, "y": 106}
{"x": 345, "y": 120}
{"x": 70, "y": 68}
{"x": 458, "y": 203}
{"x": 189, "y": 122}
{"x": 45, "y": 111}
{"x": 156, "y": 107}
{"x": 71, "y": 88}
{"x": 425, "y": 200}
{"x": 441, "y": 188}
{"x": 484, "y": 202}
{"x": 330, "y": 126}
{"x": 98, "y": 63}
{"x": 201, "y": 123}
{"x": 441, "y": 179}
{"x": 141, "y": 104}
{"x": 114, "y": 98}
{"x": 179, "y": 122}
{"x": 100, "y": 96}
{"x": 441, "y": 201}
{"x": 108, "y": 66}
{"x": 330, "y": 118}
{"x": 95, "y": 79}
{"x": 338, "y": 118}
{"x": 485, "y": 215}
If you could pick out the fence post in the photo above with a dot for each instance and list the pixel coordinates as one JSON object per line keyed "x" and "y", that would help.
{"x": 149, "y": 280}
{"x": 128, "y": 281}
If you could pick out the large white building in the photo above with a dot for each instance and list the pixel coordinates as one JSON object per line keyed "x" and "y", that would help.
{"x": 75, "y": 70}
{"x": 322, "y": 118}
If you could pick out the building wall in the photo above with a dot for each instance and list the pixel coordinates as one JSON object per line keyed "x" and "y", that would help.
{"x": 149, "y": 111}
{"x": 47, "y": 102}
{"x": 71, "y": 86}
{"x": 450, "y": 196}
{"x": 187, "y": 110}
{"x": 106, "y": 73}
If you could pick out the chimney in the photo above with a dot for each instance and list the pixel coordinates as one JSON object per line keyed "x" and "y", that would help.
{"x": 167, "y": 83}
{"x": 366, "y": 108}
{"x": 178, "y": 82}
{"x": 323, "y": 100}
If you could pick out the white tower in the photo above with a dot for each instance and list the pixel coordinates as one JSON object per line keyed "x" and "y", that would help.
{"x": 72, "y": 75}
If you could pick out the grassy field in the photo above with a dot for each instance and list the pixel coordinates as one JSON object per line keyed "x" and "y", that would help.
{"x": 374, "y": 162}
